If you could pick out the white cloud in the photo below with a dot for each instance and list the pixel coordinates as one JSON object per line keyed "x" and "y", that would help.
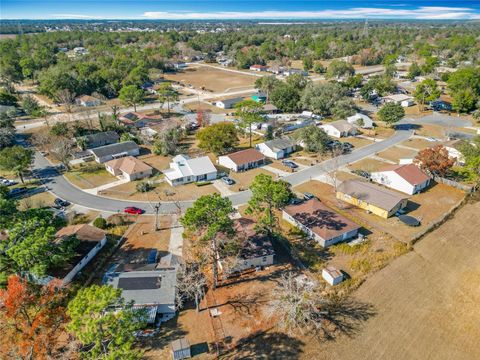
{"x": 424, "y": 12}
{"x": 76, "y": 16}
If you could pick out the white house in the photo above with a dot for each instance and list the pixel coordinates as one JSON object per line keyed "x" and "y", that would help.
{"x": 153, "y": 290}
{"x": 400, "y": 99}
{"x": 258, "y": 67}
{"x": 360, "y": 120}
{"x": 242, "y": 160}
{"x": 87, "y": 101}
{"x": 407, "y": 178}
{"x": 453, "y": 148}
{"x": 277, "y": 148}
{"x": 320, "y": 222}
{"x": 91, "y": 241}
{"x": 184, "y": 170}
{"x": 332, "y": 275}
{"x": 129, "y": 168}
{"x": 114, "y": 151}
{"x": 339, "y": 128}
{"x": 228, "y": 103}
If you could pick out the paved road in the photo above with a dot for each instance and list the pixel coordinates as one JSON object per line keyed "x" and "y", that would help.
{"x": 59, "y": 186}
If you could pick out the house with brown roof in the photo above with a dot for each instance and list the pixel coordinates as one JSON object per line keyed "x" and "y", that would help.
{"x": 407, "y": 178}
{"x": 242, "y": 160}
{"x": 90, "y": 241}
{"x": 371, "y": 197}
{"x": 258, "y": 67}
{"x": 320, "y": 222}
{"x": 129, "y": 168}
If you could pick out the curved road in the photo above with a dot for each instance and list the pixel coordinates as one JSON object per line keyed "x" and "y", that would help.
{"x": 59, "y": 186}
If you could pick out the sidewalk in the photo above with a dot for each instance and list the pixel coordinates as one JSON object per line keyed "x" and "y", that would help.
{"x": 100, "y": 188}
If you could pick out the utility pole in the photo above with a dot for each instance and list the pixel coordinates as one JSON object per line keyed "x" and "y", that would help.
{"x": 157, "y": 210}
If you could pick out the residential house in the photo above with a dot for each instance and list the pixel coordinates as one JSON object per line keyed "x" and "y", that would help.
{"x": 184, "y": 170}
{"x": 179, "y": 65}
{"x": 90, "y": 241}
{"x": 371, "y": 197}
{"x": 320, "y": 222}
{"x": 292, "y": 71}
{"x": 87, "y": 101}
{"x": 259, "y": 97}
{"x": 339, "y": 128}
{"x": 332, "y": 275}
{"x": 269, "y": 109}
{"x": 242, "y": 160}
{"x": 99, "y": 139}
{"x": 139, "y": 120}
{"x": 153, "y": 290}
{"x": 228, "y": 103}
{"x": 256, "y": 248}
{"x": 105, "y": 153}
{"x": 277, "y": 70}
{"x": 258, "y": 67}
{"x": 129, "y": 168}
{"x": 277, "y": 148}
{"x": 400, "y": 99}
{"x": 406, "y": 178}
{"x": 453, "y": 147}
{"x": 360, "y": 120}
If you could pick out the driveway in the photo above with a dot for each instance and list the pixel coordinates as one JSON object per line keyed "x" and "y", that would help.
{"x": 58, "y": 185}
{"x": 440, "y": 120}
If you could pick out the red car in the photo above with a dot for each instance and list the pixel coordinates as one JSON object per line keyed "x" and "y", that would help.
{"x": 133, "y": 210}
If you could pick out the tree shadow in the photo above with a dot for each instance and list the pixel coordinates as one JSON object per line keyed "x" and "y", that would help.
{"x": 266, "y": 345}
{"x": 169, "y": 331}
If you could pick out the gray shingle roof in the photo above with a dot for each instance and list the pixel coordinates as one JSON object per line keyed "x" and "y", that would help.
{"x": 105, "y": 137}
{"x": 279, "y": 144}
{"x": 114, "y": 148}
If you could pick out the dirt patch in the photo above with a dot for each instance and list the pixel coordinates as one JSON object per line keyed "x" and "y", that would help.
{"x": 417, "y": 143}
{"x": 156, "y": 161}
{"x": 215, "y": 80}
{"x": 368, "y": 164}
{"x": 245, "y": 178}
{"x": 396, "y": 153}
{"x": 39, "y": 200}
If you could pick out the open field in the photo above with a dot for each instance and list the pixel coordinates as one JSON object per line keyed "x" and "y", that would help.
{"x": 212, "y": 79}
{"x": 396, "y": 153}
{"x": 36, "y": 200}
{"x": 417, "y": 143}
{"x": 88, "y": 180}
{"x": 368, "y": 164}
{"x": 426, "y": 301}
{"x": 245, "y": 178}
{"x": 356, "y": 141}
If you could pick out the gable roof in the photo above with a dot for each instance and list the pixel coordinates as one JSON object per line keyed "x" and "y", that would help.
{"x": 376, "y": 195}
{"x": 398, "y": 97}
{"x": 232, "y": 101}
{"x": 366, "y": 120}
{"x": 279, "y": 144}
{"x": 182, "y": 166}
{"x": 320, "y": 219}
{"x": 83, "y": 232}
{"x": 129, "y": 165}
{"x": 113, "y": 149}
{"x": 409, "y": 172}
{"x": 246, "y": 156}
{"x": 341, "y": 125}
{"x": 87, "y": 98}
{"x": 106, "y": 136}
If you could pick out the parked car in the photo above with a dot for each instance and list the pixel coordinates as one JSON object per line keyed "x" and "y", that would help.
{"x": 362, "y": 173}
{"x": 228, "y": 180}
{"x": 8, "y": 182}
{"x": 18, "y": 191}
{"x": 294, "y": 201}
{"x": 152, "y": 256}
{"x": 308, "y": 196}
{"x": 133, "y": 210}
{"x": 60, "y": 203}
{"x": 290, "y": 164}
{"x": 347, "y": 145}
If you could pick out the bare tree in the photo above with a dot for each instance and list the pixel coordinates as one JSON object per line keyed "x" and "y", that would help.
{"x": 42, "y": 140}
{"x": 67, "y": 98}
{"x": 61, "y": 149}
{"x": 337, "y": 151}
{"x": 191, "y": 284}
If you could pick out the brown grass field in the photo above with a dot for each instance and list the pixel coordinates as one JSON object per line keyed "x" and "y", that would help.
{"x": 396, "y": 153}
{"x": 212, "y": 79}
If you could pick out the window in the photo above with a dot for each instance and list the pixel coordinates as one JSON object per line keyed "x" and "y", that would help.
{"x": 264, "y": 259}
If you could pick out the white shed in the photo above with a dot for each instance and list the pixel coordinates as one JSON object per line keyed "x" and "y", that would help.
{"x": 181, "y": 349}
{"x": 332, "y": 275}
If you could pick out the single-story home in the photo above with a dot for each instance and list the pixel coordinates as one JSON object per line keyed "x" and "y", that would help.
{"x": 339, "y": 128}
{"x": 184, "y": 170}
{"x": 276, "y": 148}
{"x": 99, "y": 139}
{"x": 320, "y": 222}
{"x": 277, "y": 70}
{"x": 128, "y": 167}
{"x": 371, "y": 197}
{"x": 114, "y": 151}
{"x": 332, "y": 275}
{"x": 88, "y": 101}
{"x": 400, "y": 99}
{"x": 360, "y": 120}
{"x": 228, "y": 103}
{"x": 255, "y": 250}
{"x": 258, "y": 67}
{"x": 242, "y": 160}
{"x": 259, "y": 97}
{"x": 91, "y": 241}
{"x": 269, "y": 109}
{"x": 407, "y": 178}
{"x": 153, "y": 290}
{"x": 453, "y": 148}
{"x": 292, "y": 71}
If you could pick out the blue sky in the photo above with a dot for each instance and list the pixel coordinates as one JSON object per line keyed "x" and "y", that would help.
{"x": 239, "y": 9}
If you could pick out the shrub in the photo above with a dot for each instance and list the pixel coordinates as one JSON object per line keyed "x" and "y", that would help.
{"x": 100, "y": 223}
{"x": 143, "y": 187}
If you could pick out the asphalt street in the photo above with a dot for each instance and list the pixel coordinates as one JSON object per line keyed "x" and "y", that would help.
{"x": 60, "y": 187}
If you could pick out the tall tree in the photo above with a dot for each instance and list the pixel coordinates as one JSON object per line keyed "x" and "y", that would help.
{"x": 391, "y": 113}
{"x": 16, "y": 159}
{"x": 268, "y": 195}
{"x": 131, "y": 95}
{"x": 314, "y": 139}
{"x": 426, "y": 91}
{"x": 67, "y": 98}
{"x": 339, "y": 68}
{"x": 104, "y": 324}
{"x": 267, "y": 84}
{"x": 218, "y": 138}
{"x": 167, "y": 94}
{"x": 32, "y": 319}
{"x": 434, "y": 160}
{"x": 249, "y": 113}
{"x": 209, "y": 216}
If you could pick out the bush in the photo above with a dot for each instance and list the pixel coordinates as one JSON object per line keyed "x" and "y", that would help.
{"x": 143, "y": 187}
{"x": 203, "y": 183}
{"x": 100, "y": 223}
